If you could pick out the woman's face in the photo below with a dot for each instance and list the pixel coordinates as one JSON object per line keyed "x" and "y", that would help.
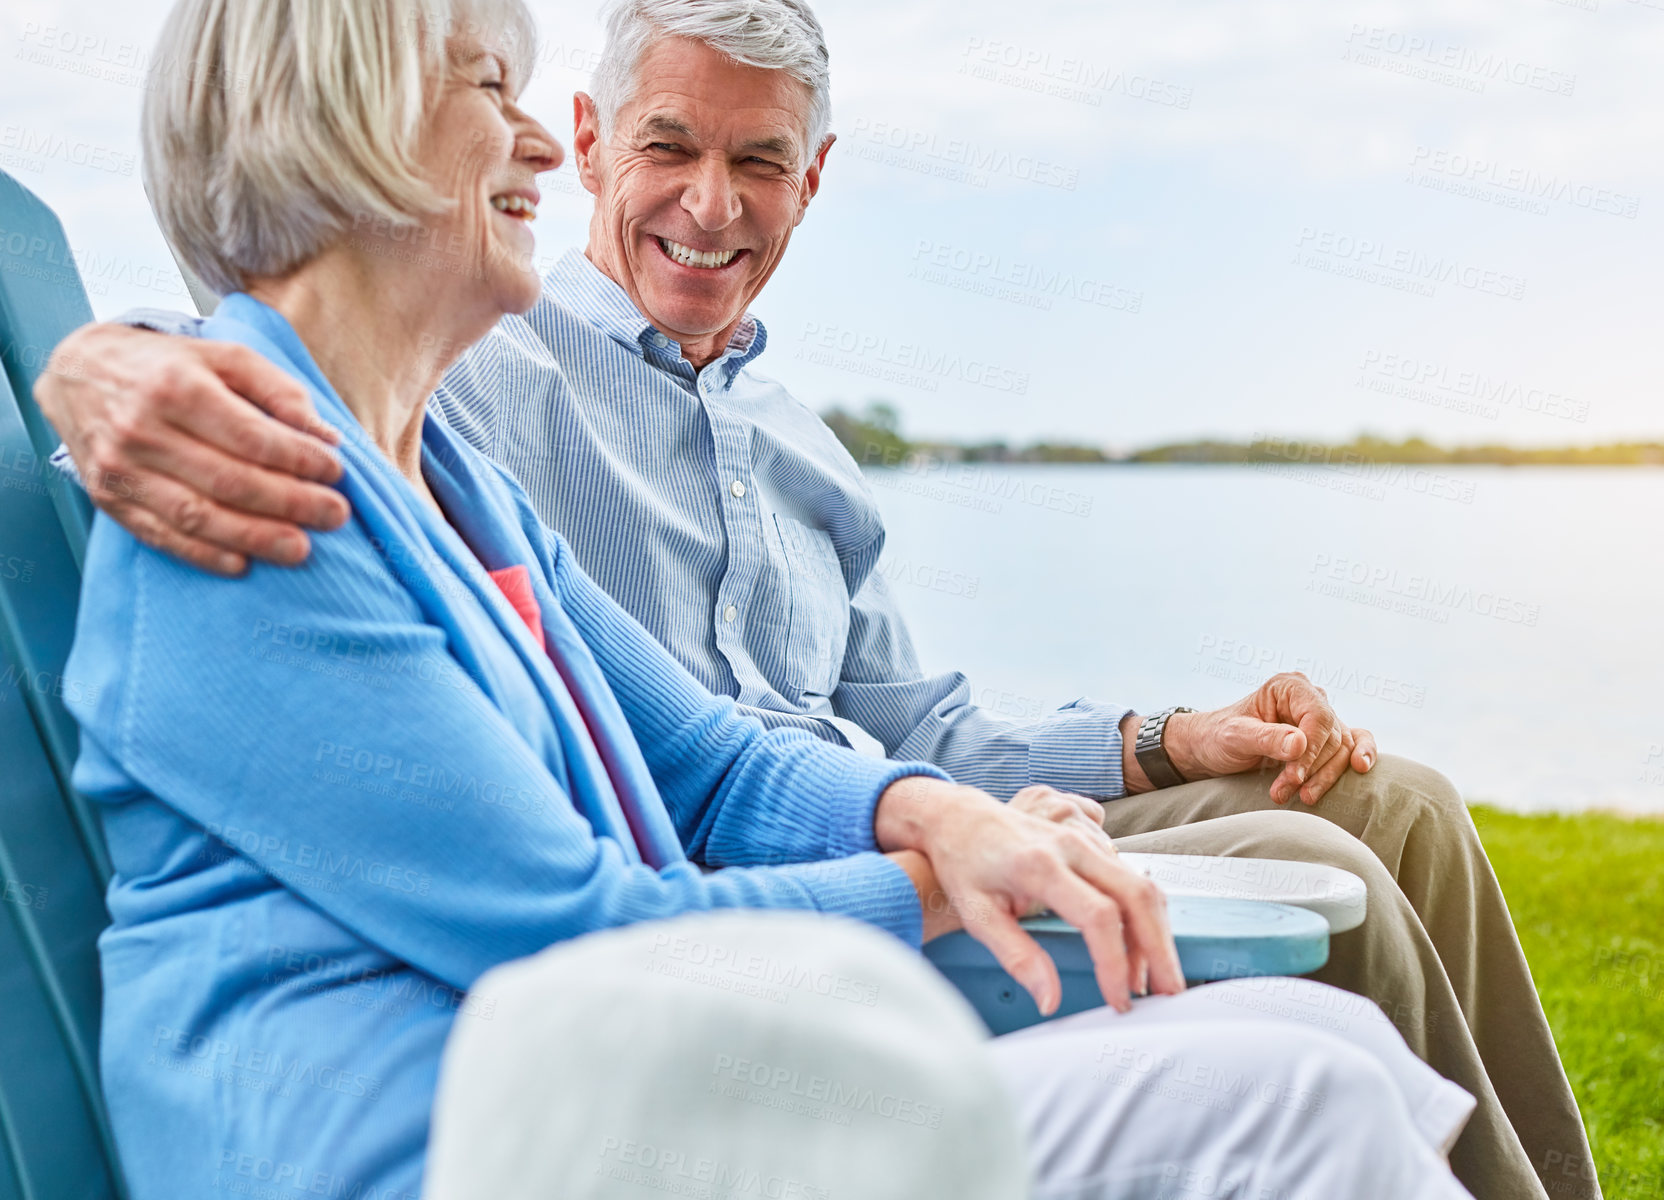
{"x": 483, "y": 154}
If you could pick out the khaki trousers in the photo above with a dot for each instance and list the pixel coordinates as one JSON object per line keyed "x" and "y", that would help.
{"x": 1437, "y": 951}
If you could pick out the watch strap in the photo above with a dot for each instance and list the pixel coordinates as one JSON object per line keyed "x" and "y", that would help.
{"x": 1147, "y": 748}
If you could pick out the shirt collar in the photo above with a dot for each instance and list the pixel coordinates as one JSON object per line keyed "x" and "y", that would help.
{"x": 578, "y": 284}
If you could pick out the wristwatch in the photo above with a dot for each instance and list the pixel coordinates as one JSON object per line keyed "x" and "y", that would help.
{"x": 1148, "y": 750}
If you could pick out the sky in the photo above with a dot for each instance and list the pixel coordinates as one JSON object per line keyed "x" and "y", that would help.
{"x": 1115, "y": 223}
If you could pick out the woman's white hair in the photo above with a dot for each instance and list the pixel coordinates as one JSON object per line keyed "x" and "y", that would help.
{"x": 273, "y": 127}
{"x": 778, "y": 35}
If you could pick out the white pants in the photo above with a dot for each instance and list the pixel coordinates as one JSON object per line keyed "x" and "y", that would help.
{"x": 737, "y": 1055}
{"x": 1207, "y": 1095}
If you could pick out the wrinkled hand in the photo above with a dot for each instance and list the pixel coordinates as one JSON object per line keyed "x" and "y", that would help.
{"x": 991, "y": 863}
{"x": 1288, "y": 721}
{"x": 202, "y": 449}
{"x": 1064, "y": 808}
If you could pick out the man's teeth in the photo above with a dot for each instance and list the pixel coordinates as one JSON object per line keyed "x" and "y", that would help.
{"x": 689, "y": 257}
{"x": 517, "y": 206}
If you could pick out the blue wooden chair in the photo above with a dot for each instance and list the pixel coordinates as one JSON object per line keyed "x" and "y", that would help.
{"x": 54, "y": 1137}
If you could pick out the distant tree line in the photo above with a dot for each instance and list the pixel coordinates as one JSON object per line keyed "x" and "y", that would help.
{"x": 874, "y": 438}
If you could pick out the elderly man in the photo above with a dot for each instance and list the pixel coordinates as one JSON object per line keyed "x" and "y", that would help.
{"x": 726, "y": 518}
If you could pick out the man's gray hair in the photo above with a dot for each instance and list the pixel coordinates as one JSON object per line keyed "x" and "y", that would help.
{"x": 777, "y": 35}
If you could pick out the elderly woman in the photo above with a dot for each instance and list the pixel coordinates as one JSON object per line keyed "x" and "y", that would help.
{"x": 336, "y": 796}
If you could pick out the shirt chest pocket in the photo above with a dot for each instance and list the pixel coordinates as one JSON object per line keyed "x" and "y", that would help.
{"x": 818, "y": 603}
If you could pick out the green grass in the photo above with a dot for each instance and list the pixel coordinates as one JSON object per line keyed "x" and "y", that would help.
{"x": 1587, "y": 895}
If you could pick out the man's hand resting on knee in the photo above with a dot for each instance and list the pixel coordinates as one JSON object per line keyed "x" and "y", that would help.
{"x": 220, "y": 454}
{"x": 980, "y": 865}
{"x": 1288, "y": 722}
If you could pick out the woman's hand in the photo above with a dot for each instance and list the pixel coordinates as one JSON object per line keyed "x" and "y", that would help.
{"x": 991, "y": 863}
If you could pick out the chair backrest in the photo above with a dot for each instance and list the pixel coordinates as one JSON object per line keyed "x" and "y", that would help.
{"x": 41, "y": 299}
{"x": 54, "y": 1135}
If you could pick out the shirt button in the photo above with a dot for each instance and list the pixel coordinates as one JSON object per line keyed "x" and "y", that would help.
{"x": 729, "y": 613}
{"x": 738, "y": 489}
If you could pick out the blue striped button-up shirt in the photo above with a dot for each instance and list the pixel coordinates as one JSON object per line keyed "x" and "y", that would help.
{"x": 726, "y": 517}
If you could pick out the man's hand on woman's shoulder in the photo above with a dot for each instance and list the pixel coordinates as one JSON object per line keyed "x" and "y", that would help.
{"x": 202, "y": 449}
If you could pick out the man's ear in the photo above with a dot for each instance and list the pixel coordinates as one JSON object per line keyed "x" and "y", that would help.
{"x": 811, "y": 177}
{"x": 586, "y": 136}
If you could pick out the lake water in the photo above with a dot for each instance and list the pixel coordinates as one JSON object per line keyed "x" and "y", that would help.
{"x": 1505, "y": 625}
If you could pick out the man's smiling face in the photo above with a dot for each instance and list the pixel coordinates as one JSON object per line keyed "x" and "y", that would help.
{"x": 698, "y": 186}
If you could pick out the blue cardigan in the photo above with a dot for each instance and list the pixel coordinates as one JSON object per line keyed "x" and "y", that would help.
{"x": 336, "y": 795}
